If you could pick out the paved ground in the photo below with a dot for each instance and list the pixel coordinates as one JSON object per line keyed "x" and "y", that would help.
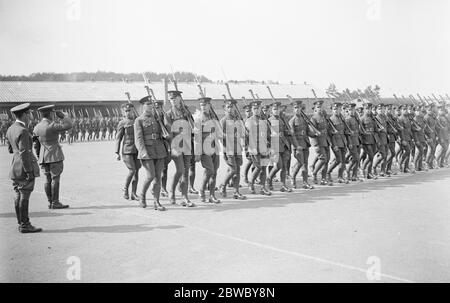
{"x": 330, "y": 234}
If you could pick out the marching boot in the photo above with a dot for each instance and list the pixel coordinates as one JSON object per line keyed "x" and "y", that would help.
{"x": 187, "y": 202}
{"x": 223, "y": 191}
{"x": 172, "y": 199}
{"x": 270, "y": 184}
{"x": 306, "y": 185}
{"x": 28, "y": 228}
{"x": 239, "y": 196}
{"x": 284, "y": 188}
{"x": 252, "y": 189}
{"x": 158, "y": 206}
{"x": 315, "y": 181}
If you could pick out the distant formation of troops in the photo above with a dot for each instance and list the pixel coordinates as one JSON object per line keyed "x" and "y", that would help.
{"x": 364, "y": 141}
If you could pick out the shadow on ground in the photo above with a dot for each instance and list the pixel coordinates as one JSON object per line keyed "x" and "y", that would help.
{"x": 112, "y": 229}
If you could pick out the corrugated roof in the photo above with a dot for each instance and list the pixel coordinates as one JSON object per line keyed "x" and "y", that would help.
{"x": 12, "y": 91}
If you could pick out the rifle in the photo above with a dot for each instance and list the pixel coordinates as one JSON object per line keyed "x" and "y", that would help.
{"x": 282, "y": 118}
{"x": 305, "y": 117}
{"x": 342, "y": 119}
{"x": 157, "y": 115}
{"x": 423, "y": 100}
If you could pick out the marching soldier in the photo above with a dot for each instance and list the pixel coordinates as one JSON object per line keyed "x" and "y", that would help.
{"x": 50, "y": 152}
{"x": 103, "y": 127}
{"x": 181, "y": 148}
{"x": 338, "y": 143}
{"x": 207, "y": 149}
{"x": 381, "y": 122}
{"x": 369, "y": 140}
{"x": 353, "y": 140}
{"x": 431, "y": 132}
{"x": 300, "y": 133}
{"x": 392, "y": 134}
{"x": 248, "y": 164}
{"x": 233, "y": 131}
{"x": 258, "y": 133}
{"x": 125, "y": 137}
{"x": 110, "y": 127}
{"x": 443, "y": 132}
{"x": 148, "y": 138}
{"x": 284, "y": 149}
{"x": 83, "y": 125}
{"x": 24, "y": 167}
{"x": 419, "y": 139}
{"x": 406, "y": 138}
{"x": 320, "y": 143}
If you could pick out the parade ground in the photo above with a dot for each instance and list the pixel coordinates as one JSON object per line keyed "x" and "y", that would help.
{"x": 388, "y": 230}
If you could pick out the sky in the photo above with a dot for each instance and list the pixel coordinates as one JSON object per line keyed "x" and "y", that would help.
{"x": 401, "y": 45}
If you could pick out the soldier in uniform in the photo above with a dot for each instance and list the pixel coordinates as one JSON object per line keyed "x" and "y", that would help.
{"x": 258, "y": 132}
{"x": 24, "y": 167}
{"x": 125, "y": 137}
{"x": 419, "y": 138}
{"x": 51, "y": 157}
{"x": 181, "y": 146}
{"x": 353, "y": 140}
{"x": 234, "y": 131}
{"x": 392, "y": 136}
{"x": 300, "y": 133}
{"x": 149, "y": 141}
{"x": 381, "y": 156}
{"x": 442, "y": 134}
{"x": 320, "y": 143}
{"x": 406, "y": 138}
{"x": 248, "y": 163}
{"x": 206, "y": 148}
{"x": 283, "y": 150}
{"x": 83, "y": 125}
{"x": 338, "y": 143}
{"x": 103, "y": 127}
{"x": 369, "y": 140}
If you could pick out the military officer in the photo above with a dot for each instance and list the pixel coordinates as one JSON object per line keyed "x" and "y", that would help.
{"x": 283, "y": 150}
{"x": 206, "y": 148}
{"x": 258, "y": 133}
{"x": 353, "y": 140}
{"x": 338, "y": 143}
{"x": 442, "y": 134}
{"x": 148, "y": 138}
{"x": 125, "y": 137}
{"x": 369, "y": 140}
{"x": 320, "y": 143}
{"x": 234, "y": 132}
{"x": 300, "y": 133}
{"x": 382, "y": 150}
{"x": 419, "y": 138}
{"x": 406, "y": 138}
{"x": 181, "y": 145}
{"x": 51, "y": 157}
{"x": 24, "y": 167}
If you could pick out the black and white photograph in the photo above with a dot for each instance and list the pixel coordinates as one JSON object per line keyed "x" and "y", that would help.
{"x": 199, "y": 143}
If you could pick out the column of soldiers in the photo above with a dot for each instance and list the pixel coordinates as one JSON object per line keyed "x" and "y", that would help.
{"x": 359, "y": 143}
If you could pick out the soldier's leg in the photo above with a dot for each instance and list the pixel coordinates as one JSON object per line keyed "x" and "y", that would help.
{"x": 356, "y": 162}
{"x": 47, "y": 182}
{"x": 25, "y": 189}
{"x": 156, "y": 190}
{"x": 300, "y": 162}
{"x": 257, "y": 164}
{"x": 17, "y": 202}
{"x": 208, "y": 172}
{"x": 274, "y": 170}
{"x": 185, "y": 176}
{"x": 212, "y": 180}
{"x": 231, "y": 171}
{"x": 304, "y": 169}
{"x": 131, "y": 165}
{"x": 418, "y": 156}
{"x": 430, "y": 153}
{"x": 192, "y": 190}
{"x": 326, "y": 160}
{"x": 390, "y": 157}
{"x": 135, "y": 178}
{"x": 335, "y": 162}
{"x": 179, "y": 172}
{"x": 238, "y": 163}
{"x": 56, "y": 170}
{"x": 247, "y": 166}
{"x": 383, "y": 154}
{"x": 367, "y": 165}
{"x": 149, "y": 167}
{"x": 342, "y": 164}
{"x": 404, "y": 162}
{"x": 321, "y": 159}
{"x": 164, "y": 173}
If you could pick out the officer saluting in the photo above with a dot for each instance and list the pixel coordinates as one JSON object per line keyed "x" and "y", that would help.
{"x": 125, "y": 136}
{"x": 152, "y": 151}
{"x": 50, "y": 152}
{"x": 24, "y": 167}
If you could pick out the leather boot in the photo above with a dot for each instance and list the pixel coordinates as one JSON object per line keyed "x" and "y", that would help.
{"x": 158, "y": 206}
{"x": 142, "y": 201}
{"x": 48, "y": 192}
{"x": 239, "y": 196}
{"x": 134, "y": 196}
{"x": 202, "y": 196}
{"x": 55, "y": 198}
{"x": 126, "y": 196}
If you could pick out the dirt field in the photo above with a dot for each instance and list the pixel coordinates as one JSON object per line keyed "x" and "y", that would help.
{"x": 344, "y": 233}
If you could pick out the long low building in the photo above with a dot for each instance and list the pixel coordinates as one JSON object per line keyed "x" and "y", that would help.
{"x": 92, "y": 98}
